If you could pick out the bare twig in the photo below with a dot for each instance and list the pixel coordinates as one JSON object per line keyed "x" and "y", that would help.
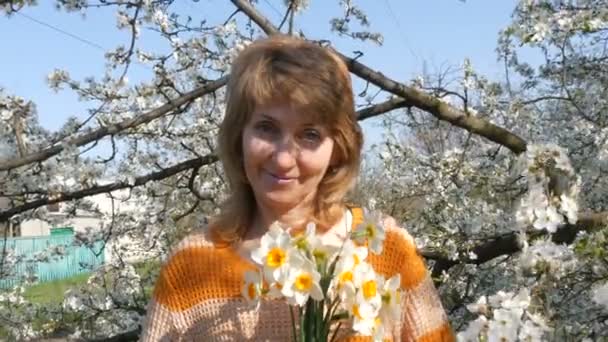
{"x": 381, "y": 108}
{"x": 154, "y": 176}
{"x": 509, "y": 244}
{"x": 116, "y": 128}
{"x": 428, "y": 103}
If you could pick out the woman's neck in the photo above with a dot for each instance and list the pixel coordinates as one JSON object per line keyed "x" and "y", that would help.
{"x": 295, "y": 217}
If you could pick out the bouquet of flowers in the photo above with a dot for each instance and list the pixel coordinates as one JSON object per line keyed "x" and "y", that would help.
{"x": 326, "y": 286}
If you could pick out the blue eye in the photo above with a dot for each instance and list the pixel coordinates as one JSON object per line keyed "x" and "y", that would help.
{"x": 311, "y": 135}
{"x": 265, "y": 127}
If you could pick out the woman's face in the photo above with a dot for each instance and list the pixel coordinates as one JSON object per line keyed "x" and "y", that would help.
{"x": 285, "y": 156}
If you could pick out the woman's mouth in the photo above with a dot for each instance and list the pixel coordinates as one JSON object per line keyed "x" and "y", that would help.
{"x": 281, "y": 179}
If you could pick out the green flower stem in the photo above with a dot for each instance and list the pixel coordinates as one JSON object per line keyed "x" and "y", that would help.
{"x": 319, "y": 324}
{"x": 330, "y": 310}
{"x": 293, "y": 325}
{"x": 302, "y": 325}
{"x": 357, "y": 235}
{"x": 339, "y": 316}
{"x": 335, "y": 334}
{"x": 309, "y": 321}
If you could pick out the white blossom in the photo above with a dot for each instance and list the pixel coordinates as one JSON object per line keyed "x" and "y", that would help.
{"x": 56, "y": 78}
{"x": 600, "y": 295}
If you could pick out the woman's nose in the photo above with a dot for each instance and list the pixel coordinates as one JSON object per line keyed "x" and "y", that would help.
{"x": 286, "y": 153}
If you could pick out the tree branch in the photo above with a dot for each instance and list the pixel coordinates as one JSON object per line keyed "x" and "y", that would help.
{"x": 118, "y": 127}
{"x": 194, "y": 164}
{"x": 154, "y": 176}
{"x": 509, "y": 244}
{"x": 415, "y": 97}
{"x": 381, "y": 108}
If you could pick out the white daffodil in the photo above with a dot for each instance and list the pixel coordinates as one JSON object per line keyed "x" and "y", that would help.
{"x": 274, "y": 253}
{"x": 391, "y": 299}
{"x": 274, "y": 291}
{"x": 252, "y": 289}
{"x": 311, "y": 245}
{"x": 302, "y": 240}
{"x": 302, "y": 282}
{"x": 362, "y": 325}
{"x": 367, "y": 300}
{"x": 365, "y": 316}
{"x": 349, "y": 257}
{"x": 379, "y": 330}
{"x": 371, "y": 232}
{"x": 367, "y": 283}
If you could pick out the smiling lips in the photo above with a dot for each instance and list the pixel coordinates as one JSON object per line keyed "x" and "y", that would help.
{"x": 280, "y": 179}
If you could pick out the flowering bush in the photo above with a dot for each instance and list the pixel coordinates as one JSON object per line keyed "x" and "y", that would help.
{"x": 502, "y": 182}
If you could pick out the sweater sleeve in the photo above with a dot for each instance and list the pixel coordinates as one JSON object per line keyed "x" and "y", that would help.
{"x": 158, "y": 324}
{"x": 423, "y": 317}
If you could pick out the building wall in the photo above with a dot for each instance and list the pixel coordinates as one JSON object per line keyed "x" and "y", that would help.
{"x": 82, "y": 221}
{"x": 35, "y": 228}
{"x": 38, "y": 227}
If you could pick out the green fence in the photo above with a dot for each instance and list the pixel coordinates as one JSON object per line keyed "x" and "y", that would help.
{"x": 74, "y": 259}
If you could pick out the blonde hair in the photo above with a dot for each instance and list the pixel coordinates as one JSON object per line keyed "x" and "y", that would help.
{"x": 312, "y": 79}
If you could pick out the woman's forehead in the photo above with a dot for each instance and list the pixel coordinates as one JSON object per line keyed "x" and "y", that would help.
{"x": 283, "y": 112}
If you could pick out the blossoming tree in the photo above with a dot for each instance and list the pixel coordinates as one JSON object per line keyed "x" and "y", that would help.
{"x": 502, "y": 182}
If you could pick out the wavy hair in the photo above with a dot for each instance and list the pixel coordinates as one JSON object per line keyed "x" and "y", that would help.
{"x": 314, "y": 80}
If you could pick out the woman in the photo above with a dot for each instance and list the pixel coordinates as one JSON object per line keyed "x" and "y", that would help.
{"x": 290, "y": 145}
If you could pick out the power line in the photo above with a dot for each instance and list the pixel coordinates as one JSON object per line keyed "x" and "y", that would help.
{"x": 404, "y": 41}
{"x": 274, "y": 8}
{"x": 71, "y": 35}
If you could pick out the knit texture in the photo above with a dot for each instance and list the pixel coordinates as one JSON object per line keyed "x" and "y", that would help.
{"x": 197, "y": 296}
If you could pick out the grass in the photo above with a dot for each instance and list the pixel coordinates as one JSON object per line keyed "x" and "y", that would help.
{"x": 50, "y": 292}
{"x": 53, "y": 291}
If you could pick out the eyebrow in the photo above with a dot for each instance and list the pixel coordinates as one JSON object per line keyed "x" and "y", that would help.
{"x": 274, "y": 120}
{"x": 268, "y": 117}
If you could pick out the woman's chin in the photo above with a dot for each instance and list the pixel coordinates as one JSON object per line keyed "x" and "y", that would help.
{"x": 280, "y": 203}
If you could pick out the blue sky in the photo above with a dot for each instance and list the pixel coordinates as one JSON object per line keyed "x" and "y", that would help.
{"x": 436, "y": 32}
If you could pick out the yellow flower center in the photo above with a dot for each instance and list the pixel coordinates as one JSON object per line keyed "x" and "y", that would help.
{"x": 319, "y": 254}
{"x": 356, "y": 311}
{"x": 303, "y": 282}
{"x": 369, "y": 289}
{"x": 370, "y": 229}
{"x": 251, "y": 291}
{"x": 276, "y": 257}
{"x": 301, "y": 243}
{"x": 356, "y": 258}
{"x": 386, "y": 298}
{"x": 346, "y": 277}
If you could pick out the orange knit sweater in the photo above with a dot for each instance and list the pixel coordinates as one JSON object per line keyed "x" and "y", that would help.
{"x": 198, "y": 295}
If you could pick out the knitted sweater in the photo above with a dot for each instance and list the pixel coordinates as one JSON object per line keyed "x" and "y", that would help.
{"x": 198, "y": 295}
